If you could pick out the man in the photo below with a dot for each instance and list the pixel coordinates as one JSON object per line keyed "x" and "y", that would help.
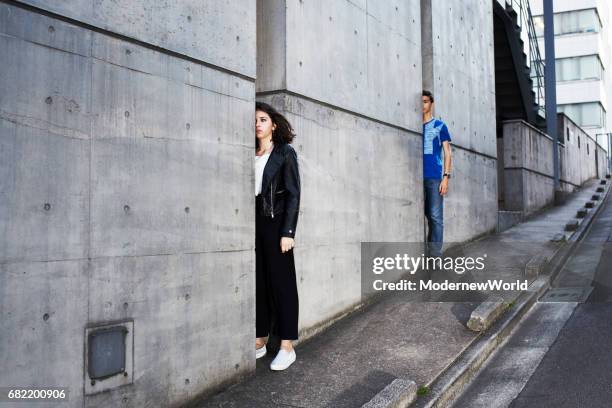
{"x": 435, "y": 176}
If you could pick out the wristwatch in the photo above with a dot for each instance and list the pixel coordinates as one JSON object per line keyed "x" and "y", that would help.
{"x": 446, "y": 175}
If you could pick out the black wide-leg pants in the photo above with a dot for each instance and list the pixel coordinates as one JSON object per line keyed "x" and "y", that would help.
{"x": 276, "y": 287}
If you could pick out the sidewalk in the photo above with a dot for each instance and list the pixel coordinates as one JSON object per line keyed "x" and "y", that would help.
{"x": 349, "y": 363}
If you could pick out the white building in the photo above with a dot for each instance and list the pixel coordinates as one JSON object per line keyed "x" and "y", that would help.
{"x": 583, "y": 38}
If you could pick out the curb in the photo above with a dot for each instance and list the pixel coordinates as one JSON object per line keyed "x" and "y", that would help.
{"x": 399, "y": 393}
{"x": 582, "y": 213}
{"x": 572, "y": 225}
{"x": 487, "y": 313}
{"x": 447, "y": 386}
{"x": 535, "y": 267}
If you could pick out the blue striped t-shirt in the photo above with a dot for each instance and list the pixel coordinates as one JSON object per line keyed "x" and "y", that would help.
{"x": 434, "y": 133}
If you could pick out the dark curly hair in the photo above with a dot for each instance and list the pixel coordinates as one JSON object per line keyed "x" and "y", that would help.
{"x": 284, "y": 132}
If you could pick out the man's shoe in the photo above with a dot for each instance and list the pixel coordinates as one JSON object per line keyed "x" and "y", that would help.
{"x": 260, "y": 352}
{"x": 283, "y": 360}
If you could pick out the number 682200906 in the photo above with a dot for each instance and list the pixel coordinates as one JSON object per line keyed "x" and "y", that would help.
{"x": 43, "y": 393}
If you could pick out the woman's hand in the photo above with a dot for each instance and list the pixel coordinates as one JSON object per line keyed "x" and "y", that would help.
{"x": 286, "y": 244}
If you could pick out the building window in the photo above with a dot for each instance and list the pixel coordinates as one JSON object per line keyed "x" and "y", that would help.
{"x": 574, "y": 68}
{"x": 571, "y": 22}
{"x": 567, "y": 131}
{"x": 585, "y": 114}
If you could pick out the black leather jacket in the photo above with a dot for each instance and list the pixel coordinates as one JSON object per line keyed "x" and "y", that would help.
{"x": 280, "y": 188}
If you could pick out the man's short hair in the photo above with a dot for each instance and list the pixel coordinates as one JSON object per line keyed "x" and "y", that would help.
{"x": 429, "y": 95}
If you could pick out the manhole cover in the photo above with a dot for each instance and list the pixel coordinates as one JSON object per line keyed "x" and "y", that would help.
{"x": 575, "y": 294}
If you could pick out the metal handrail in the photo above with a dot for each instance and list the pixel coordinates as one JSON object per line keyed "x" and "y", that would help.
{"x": 536, "y": 63}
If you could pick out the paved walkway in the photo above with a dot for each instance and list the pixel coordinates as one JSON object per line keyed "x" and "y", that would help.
{"x": 346, "y": 365}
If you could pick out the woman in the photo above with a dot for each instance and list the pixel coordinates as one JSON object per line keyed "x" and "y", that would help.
{"x": 277, "y": 198}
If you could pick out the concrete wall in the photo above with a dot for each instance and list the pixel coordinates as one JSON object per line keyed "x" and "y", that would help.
{"x": 125, "y": 180}
{"x": 348, "y": 76}
{"x": 215, "y": 32}
{"x": 459, "y": 68}
{"x": 579, "y": 161}
{"x": 528, "y": 167}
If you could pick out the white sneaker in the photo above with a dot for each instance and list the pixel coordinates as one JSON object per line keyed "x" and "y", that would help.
{"x": 260, "y": 352}
{"x": 283, "y": 360}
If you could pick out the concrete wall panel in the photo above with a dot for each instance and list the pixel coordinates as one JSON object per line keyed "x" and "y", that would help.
{"x": 528, "y": 167}
{"x": 513, "y": 190}
{"x": 393, "y": 94}
{"x": 527, "y": 147}
{"x": 157, "y": 144}
{"x": 470, "y": 207}
{"x": 180, "y": 305}
{"x": 463, "y": 77}
{"x": 147, "y": 61}
{"x": 577, "y": 156}
{"x": 44, "y": 121}
{"x": 602, "y": 162}
{"x": 214, "y": 31}
{"x": 329, "y": 281}
{"x": 43, "y": 310}
{"x": 271, "y": 46}
{"x": 346, "y": 71}
{"x": 44, "y": 195}
{"x": 48, "y": 89}
{"x": 538, "y": 192}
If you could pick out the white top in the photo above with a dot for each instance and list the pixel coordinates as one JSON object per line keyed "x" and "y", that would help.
{"x": 260, "y": 164}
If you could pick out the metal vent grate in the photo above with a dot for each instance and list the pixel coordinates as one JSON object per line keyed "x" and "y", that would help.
{"x": 106, "y": 352}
